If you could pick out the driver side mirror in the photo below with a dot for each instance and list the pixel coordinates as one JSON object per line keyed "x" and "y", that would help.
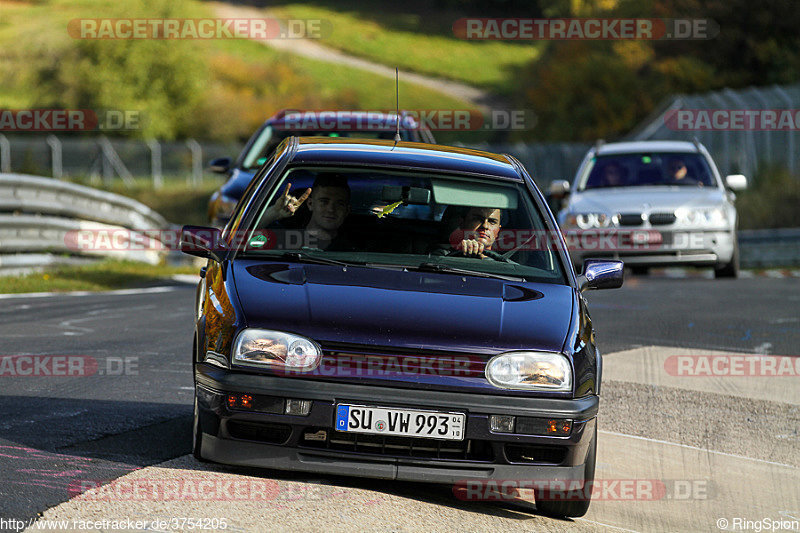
{"x": 220, "y": 165}
{"x": 599, "y": 274}
{"x": 202, "y": 242}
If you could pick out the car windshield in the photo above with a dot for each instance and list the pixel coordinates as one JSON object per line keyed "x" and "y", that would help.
{"x": 406, "y": 220}
{"x": 269, "y": 138}
{"x": 633, "y": 170}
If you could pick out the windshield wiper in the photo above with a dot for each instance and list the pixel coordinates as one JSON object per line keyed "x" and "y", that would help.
{"x": 305, "y": 258}
{"x": 447, "y": 269}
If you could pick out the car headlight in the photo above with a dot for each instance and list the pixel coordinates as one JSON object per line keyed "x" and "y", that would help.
{"x": 707, "y": 217}
{"x": 715, "y": 216}
{"x": 226, "y": 206}
{"x": 590, "y": 220}
{"x": 544, "y": 371}
{"x": 276, "y": 349}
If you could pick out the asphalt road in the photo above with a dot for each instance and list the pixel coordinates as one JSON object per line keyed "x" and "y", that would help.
{"x": 134, "y": 409}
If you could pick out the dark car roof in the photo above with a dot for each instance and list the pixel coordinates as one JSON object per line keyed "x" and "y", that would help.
{"x": 376, "y": 121}
{"x": 316, "y": 150}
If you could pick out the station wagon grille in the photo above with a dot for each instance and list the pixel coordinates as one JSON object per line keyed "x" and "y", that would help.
{"x": 662, "y": 219}
{"x": 391, "y": 446}
{"x": 630, "y": 219}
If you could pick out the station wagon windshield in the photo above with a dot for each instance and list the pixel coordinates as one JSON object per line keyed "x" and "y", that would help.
{"x": 647, "y": 169}
{"x": 405, "y": 220}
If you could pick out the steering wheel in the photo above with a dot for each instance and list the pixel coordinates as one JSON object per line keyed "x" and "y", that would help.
{"x": 488, "y": 253}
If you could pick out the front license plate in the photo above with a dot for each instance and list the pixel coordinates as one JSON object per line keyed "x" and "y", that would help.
{"x": 400, "y": 422}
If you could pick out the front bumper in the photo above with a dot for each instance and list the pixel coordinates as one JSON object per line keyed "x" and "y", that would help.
{"x": 676, "y": 248}
{"x": 276, "y": 440}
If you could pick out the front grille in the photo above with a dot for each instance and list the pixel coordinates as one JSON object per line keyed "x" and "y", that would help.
{"x": 260, "y": 431}
{"x": 630, "y": 219}
{"x": 390, "y": 446}
{"x": 662, "y": 219}
{"x": 518, "y": 453}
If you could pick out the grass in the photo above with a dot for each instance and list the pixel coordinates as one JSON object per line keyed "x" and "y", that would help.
{"x": 330, "y": 81}
{"x": 422, "y": 43}
{"x": 234, "y": 104}
{"x": 101, "y": 276}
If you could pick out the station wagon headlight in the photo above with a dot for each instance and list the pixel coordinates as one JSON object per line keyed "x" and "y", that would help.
{"x": 704, "y": 217}
{"x": 544, "y": 371}
{"x": 590, "y": 220}
{"x": 276, "y": 349}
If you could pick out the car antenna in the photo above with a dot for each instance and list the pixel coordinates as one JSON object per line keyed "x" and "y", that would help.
{"x": 397, "y": 104}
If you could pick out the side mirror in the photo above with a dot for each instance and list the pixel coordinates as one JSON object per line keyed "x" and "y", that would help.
{"x": 559, "y": 188}
{"x": 201, "y": 241}
{"x": 220, "y": 165}
{"x": 736, "y": 182}
{"x": 599, "y": 274}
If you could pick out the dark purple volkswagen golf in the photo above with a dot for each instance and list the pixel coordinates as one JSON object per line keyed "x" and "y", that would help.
{"x": 399, "y": 311}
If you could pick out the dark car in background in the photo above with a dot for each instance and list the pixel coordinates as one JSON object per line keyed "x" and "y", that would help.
{"x": 288, "y": 123}
{"x": 390, "y": 347}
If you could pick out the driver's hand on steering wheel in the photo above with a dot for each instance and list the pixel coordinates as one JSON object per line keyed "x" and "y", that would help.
{"x": 472, "y": 247}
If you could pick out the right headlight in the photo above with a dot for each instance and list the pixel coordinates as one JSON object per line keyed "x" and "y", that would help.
{"x": 545, "y": 371}
{"x": 276, "y": 349}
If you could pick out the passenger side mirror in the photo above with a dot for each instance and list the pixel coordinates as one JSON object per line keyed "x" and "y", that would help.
{"x": 599, "y": 274}
{"x": 736, "y": 182}
{"x": 220, "y": 165}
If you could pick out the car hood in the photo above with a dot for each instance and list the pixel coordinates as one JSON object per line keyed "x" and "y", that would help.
{"x": 397, "y": 309}
{"x": 237, "y": 183}
{"x": 643, "y": 199}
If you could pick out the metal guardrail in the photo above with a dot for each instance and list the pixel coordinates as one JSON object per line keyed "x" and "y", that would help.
{"x": 34, "y": 194}
{"x": 764, "y": 248}
{"x": 42, "y": 218}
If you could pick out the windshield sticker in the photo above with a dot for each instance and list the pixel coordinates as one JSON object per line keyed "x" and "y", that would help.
{"x": 258, "y": 241}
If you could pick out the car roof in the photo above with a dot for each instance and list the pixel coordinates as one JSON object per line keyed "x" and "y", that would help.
{"x": 646, "y": 146}
{"x": 319, "y": 120}
{"x": 404, "y": 155}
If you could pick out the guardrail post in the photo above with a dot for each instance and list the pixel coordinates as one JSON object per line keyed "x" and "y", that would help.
{"x": 155, "y": 163}
{"x": 112, "y": 161}
{"x": 197, "y": 161}
{"x": 5, "y": 154}
{"x": 55, "y": 157}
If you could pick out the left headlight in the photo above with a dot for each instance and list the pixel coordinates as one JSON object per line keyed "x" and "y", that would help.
{"x": 276, "y": 349}
{"x": 544, "y": 371}
{"x": 713, "y": 216}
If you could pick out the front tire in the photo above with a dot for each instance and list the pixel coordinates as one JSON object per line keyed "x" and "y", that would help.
{"x": 730, "y": 270}
{"x": 576, "y": 502}
{"x": 197, "y": 434}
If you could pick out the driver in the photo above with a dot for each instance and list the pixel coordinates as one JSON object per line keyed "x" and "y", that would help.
{"x": 476, "y": 233}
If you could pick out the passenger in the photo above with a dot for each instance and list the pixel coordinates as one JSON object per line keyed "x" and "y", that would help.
{"x": 328, "y": 201}
{"x": 612, "y": 175}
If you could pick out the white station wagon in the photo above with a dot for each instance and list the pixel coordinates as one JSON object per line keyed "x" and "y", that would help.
{"x": 652, "y": 203}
